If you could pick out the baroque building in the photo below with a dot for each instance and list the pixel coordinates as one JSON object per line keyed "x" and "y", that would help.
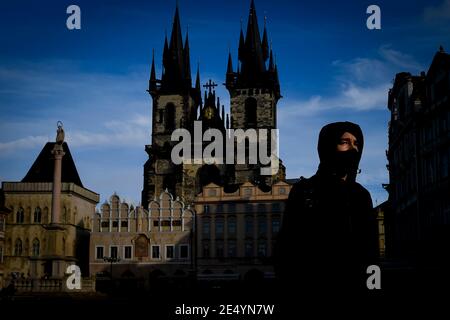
{"x": 254, "y": 92}
{"x": 418, "y": 215}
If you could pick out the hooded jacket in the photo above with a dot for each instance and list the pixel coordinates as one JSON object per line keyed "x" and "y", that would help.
{"x": 329, "y": 231}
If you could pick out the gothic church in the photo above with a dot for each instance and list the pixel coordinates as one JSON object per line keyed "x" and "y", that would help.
{"x": 254, "y": 92}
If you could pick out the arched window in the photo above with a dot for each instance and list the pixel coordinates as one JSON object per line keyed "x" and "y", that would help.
{"x": 250, "y": 112}
{"x": 18, "y": 248}
{"x": 37, "y": 215}
{"x": 170, "y": 118}
{"x": 36, "y": 247}
{"x": 20, "y": 215}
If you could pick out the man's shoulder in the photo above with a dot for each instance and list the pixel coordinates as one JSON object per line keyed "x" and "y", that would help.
{"x": 304, "y": 185}
{"x": 362, "y": 191}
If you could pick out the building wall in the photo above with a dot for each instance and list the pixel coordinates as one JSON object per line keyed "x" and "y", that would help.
{"x": 167, "y": 223}
{"x": 418, "y": 155}
{"x": 237, "y": 231}
{"x": 77, "y": 207}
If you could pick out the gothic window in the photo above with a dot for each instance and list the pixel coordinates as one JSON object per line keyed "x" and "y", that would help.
{"x": 18, "y": 248}
{"x": 20, "y": 215}
{"x": 37, "y": 215}
{"x": 250, "y": 112}
{"x": 36, "y": 248}
{"x": 170, "y": 119}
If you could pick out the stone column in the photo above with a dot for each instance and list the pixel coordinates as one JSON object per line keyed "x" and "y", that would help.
{"x": 58, "y": 154}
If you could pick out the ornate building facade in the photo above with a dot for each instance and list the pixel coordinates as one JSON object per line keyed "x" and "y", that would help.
{"x": 145, "y": 244}
{"x": 418, "y": 219}
{"x": 254, "y": 92}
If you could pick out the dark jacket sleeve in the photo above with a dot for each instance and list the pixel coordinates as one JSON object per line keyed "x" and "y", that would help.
{"x": 283, "y": 249}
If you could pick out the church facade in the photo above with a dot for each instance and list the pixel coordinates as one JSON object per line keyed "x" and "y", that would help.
{"x": 254, "y": 92}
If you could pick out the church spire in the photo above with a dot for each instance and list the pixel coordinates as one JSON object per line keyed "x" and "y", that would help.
{"x": 197, "y": 79}
{"x": 152, "y": 83}
{"x": 230, "y": 64}
{"x": 265, "y": 42}
{"x": 187, "y": 59}
{"x": 176, "y": 59}
{"x": 241, "y": 45}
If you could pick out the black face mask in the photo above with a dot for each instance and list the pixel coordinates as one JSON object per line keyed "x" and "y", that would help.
{"x": 346, "y": 162}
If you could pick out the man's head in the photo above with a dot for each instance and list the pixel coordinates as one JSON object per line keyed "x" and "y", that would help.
{"x": 340, "y": 147}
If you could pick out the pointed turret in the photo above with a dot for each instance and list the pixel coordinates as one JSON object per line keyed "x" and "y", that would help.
{"x": 197, "y": 79}
{"x": 152, "y": 82}
{"x": 271, "y": 62}
{"x": 265, "y": 42}
{"x": 241, "y": 50}
{"x": 230, "y": 64}
{"x": 187, "y": 62}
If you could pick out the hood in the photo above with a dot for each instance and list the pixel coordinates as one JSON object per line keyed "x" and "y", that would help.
{"x": 328, "y": 139}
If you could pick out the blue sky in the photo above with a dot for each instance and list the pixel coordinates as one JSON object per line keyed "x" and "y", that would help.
{"x": 331, "y": 68}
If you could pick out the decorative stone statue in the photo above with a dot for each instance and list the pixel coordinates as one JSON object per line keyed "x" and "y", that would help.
{"x": 60, "y": 133}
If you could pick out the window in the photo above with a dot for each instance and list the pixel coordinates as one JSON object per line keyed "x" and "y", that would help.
{"x": 170, "y": 119}
{"x": 105, "y": 224}
{"x": 124, "y": 224}
{"x": 249, "y": 226}
{"x": 18, "y": 248}
{"x": 282, "y": 190}
{"x": 262, "y": 226}
{"x": 250, "y": 112}
{"x": 127, "y": 252}
{"x": 219, "y": 249}
{"x": 184, "y": 251}
{"x": 113, "y": 250}
{"x": 219, "y": 227}
{"x": 20, "y": 215}
{"x": 156, "y": 252}
{"x": 2, "y": 224}
{"x": 1, "y": 254}
{"x": 36, "y": 248}
{"x": 249, "y": 249}
{"x": 247, "y": 192}
{"x": 232, "y": 248}
{"x": 206, "y": 249}
{"x": 37, "y": 215}
{"x": 170, "y": 252}
{"x": 99, "y": 252}
{"x": 231, "y": 228}
{"x": 262, "y": 249}
{"x": 206, "y": 228}
{"x": 206, "y": 208}
{"x": 275, "y": 225}
{"x": 161, "y": 116}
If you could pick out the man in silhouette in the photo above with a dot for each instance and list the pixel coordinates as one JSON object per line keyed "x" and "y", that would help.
{"x": 329, "y": 231}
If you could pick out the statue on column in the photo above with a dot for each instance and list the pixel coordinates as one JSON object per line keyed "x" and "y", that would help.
{"x": 60, "y": 133}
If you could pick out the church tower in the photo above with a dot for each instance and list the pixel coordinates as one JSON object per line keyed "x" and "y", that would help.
{"x": 254, "y": 91}
{"x": 175, "y": 105}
